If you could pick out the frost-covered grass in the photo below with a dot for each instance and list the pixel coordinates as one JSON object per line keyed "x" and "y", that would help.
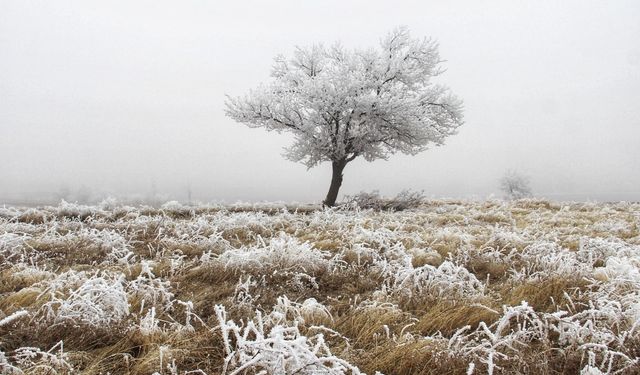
{"x": 527, "y": 286}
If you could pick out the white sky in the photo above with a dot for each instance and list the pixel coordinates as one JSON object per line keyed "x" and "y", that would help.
{"x": 121, "y": 95}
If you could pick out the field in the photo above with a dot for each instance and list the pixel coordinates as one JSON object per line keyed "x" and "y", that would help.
{"x": 449, "y": 287}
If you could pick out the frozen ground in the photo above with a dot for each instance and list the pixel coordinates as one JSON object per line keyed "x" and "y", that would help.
{"x": 450, "y": 287}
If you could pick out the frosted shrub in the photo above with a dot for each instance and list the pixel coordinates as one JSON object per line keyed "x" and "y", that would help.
{"x": 149, "y": 324}
{"x": 617, "y": 297}
{"x": 8, "y": 213}
{"x": 242, "y": 295}
{"x": 11, "y": 242}
{"x": 364, "y": 200}
{"x": 62, "y": 284}
{"x": 78, "y": 236}
{"x": 503, "y": 239}
{"x": 611, "y": 226}
{"x": 282, "y": 253}
{"x": 487, "y": 345}
{"x": 380, "y": 238}
{"x": 404, "y": 200}
{"x": 312, "y": 310}
{"x": 199, "y": 239}
{"x": 445, "y": 281}
{"x": 151, "y": 290}
{"x": 544, "y": 259}
{"x": 261, "y": 347}
{"x": 257, "y": 220}
{"x": 407, "y": 199}
{"x": 5, "y": 366}
{"x": 112, "y": 242}
{"x": 286, "y": 311}
{"x": 176, "y": 208}
{"x": 619, "y": 270}
{"x": 50, "y": 362}
{"x": 300, "y": 281}
{"x": 74, "y": 210}
{"x": 98, "y": 301}
{"x": 590, "y": 332}
{"x": 29, "y": 274}
{"x": 360, "y": 255}
{"x": 12, "y": 249}
{"x": 13, "y": 317}
{"x": 109, "y": 204}
{"x": 598, "y": 250}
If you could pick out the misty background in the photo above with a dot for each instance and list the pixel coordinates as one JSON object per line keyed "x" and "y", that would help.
{"x": 126, "y": 98}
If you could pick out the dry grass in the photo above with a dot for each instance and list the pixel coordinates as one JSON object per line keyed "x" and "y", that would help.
{"x": 421, "y": 357}
{"x": 545, "y": 295}
{"x": 206, "y": 256}
{"x": 447, "y": 317}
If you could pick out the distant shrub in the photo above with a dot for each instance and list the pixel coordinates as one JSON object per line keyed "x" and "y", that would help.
{"x": 405, "y": 200}
{"x": 74, "y": 210}
{"x": 32, "y": 216}
{"x": 515, "y": 185}
{"x": 176, "y": 209}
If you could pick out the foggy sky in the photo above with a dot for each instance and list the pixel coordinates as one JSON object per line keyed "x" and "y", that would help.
{"x": 126, "y": 97}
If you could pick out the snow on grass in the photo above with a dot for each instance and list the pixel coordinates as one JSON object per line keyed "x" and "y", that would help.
{"x": 445, "y": 281}
{"x": 528, "y": 286}
{"x": 280, "y": 254}
{"x": 91, "y": 300}
{"x": 276, "y": 346}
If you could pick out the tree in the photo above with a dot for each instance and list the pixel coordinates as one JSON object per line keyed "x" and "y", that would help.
{"x": 342, "y": 104}
{"x": 514, "y": 185}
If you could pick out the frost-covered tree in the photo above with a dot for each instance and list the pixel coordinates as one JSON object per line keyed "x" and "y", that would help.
{"x": 515, "y": 185}
{"x": 341, "y": 104}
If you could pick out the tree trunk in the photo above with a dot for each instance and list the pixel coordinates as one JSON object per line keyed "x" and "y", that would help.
{"x": 336, "y": 182}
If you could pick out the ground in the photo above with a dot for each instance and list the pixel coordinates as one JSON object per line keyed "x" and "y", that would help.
{"x": 446, "y": 287}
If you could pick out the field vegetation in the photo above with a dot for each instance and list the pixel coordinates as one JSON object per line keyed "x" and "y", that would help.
{"x": 436, "y": 287}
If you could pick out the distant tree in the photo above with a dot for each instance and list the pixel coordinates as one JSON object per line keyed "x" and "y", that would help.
{"x": 341, "y": 104}
{"x": 515, "y": 185}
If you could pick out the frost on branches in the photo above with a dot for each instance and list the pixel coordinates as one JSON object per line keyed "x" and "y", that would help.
{"x": 341, "y": 104}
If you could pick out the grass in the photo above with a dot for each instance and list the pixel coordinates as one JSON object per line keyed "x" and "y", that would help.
{"x": 436, "y": 289}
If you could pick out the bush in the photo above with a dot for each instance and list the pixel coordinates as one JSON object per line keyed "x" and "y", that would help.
{"x": 405, "y": 200}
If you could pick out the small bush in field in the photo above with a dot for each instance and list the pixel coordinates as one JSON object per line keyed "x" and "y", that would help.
{"x": 405, "y": 200}
{"x": 95, "y": 301}
{"x": 261, "y": 346}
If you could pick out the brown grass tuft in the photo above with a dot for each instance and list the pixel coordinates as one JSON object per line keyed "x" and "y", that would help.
{"x": 421, "y": 357}
{"x": 447, "y": 317}
{"x": 544, "y": 295}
